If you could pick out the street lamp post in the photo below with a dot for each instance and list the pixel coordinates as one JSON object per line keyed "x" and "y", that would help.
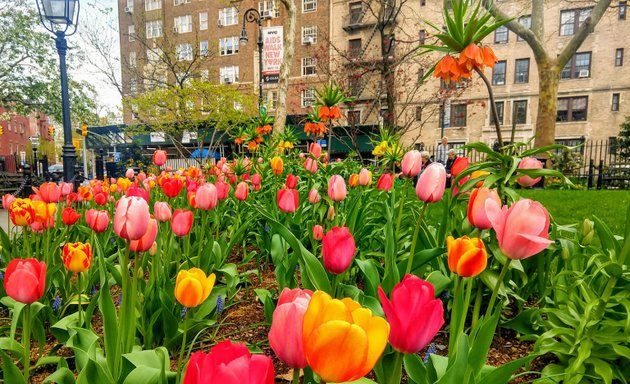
{"x": 253, "y": 16}
{"x": 60, "y": 17}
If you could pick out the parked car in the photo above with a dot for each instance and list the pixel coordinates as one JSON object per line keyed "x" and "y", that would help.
{"x": 56, "y": 171}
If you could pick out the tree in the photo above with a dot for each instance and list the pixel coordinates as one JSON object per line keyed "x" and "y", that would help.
{"x": 622, "y": 142}
{"x": 285, "y": 67}
{"x": 549, "y": 64}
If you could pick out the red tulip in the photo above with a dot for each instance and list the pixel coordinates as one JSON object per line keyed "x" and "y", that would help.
{"x": 49, "y": 192}
{"x": 182, "y": 222}
{"x": 135, "y": 190}
{"x": 241, "y": 191}
{"x": 229, "y": 363}
{"x": 100, "y": 198}
{"x": 315, "y": 150}
{"x": 477, "y": 215}
{"x": 206, "y": 197}
{"x": 288, "y": 200}
{"x": 529, "y": 163}
{"x": 69, "y": 216}
{"x": 313, "y": 196}
{"x": 285, "y": 335}
{"x": 256, "y": 180}
{"x": 459, "y": 165}
{"x": 97, "y": 220}
{"x": 385, "y": 182}
{"x": 162, "y": 211}
{"x": 159, "y": 157}
{"x": 318, "y": 232}
{"x": 431, "y": 183}
{"x": 311, "y": 165}
{"x": 337, "y": 188}
{"x": 144, "y": 243}
{"x": 223, "y": 190}
{"x": 25, "y": 280}
{"x": 131, "y": 218}
{"x": 522, "y": 229}
{"x": 411, "y": 163}
{"x": 414, "y": 314}
{"x": 338, "y": 249}
{"x": 172, "y": 186}
{"x": 292, "y": 181}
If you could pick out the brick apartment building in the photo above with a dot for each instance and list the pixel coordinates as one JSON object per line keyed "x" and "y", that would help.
{"x": 18, "y": 129}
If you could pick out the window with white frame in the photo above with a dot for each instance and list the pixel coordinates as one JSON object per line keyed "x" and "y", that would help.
{"x": 272, "y": 100}
{"x": 152, "y": 5}
{"x": 228, "y": 16}
{"x": 308, "y": 98}
{"x": 309, "y": 66}
{"x": 203, "y": 21}
{"x": 572, "y": 19}
{"x": 268, "y": 8}
{"x": 154, "y": 55}
{"x": 525, "y": 21}
{"x": 154, "y": 29}
{"x": 309, "y": 5}
{"x": 228, "y": 75}
{"x": 131, "y": 31}
{"x": 228, "y": 45}
{"x": 203, "y": 47}
{"x": 183, "y": 24}
{"x": 129, "y": 3}
{"x": 180, "y": 2}
{"x": 184, "y": 52}
{"x": 309, "y": 34}
{"x": 132, "y": 59}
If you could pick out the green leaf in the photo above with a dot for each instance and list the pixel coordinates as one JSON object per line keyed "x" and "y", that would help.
{"x": 60, "y": 376}
{"x": 504, "y": 373}
{"x": 9, "y": 344}
{"x": 93, "y": 372}
{"x": 146, "y": 366}
{"x": 602, "y": 368}
{"x": 439, "y": 281}
{"x": 415, "y": 369}
{"x": 11, "y": 373}
{"x": 369, "y": 268}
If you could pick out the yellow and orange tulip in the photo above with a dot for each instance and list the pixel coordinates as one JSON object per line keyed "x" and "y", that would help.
{"x": 466, "y": 257}
{"x": 77, "y": 257}
{"x": 192, "y": 287}
{"x": 277, "y": 165}
{"x": 22, "y": 212}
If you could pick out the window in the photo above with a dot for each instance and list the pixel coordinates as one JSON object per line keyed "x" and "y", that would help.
{"x": 618, "y": 57}
{"x": 356, "y": 13}
{"x": 615, "y": 102}
{"x": 133, "y": 85}
{"x": 578, "y": 67}
{"x": 498, "y": 73}
{"x": 228, "y": 45}
{"x": 203, "y": 21}
{"x": 129, "y": 3}
{"x": 184, "y": 52}
{"x": 203, "y": 48}
{"x": 180, "y": 2}
{"x": 622, "y": 10}
{"x": 452, "y": 115}
{"x": 309, "y": 35}
{"x": 418, "y": 113}
{"x": 309, "y": 5}
{"x": 354, "y": 48}
{"x": 521, "y": 71}
{"x": 420, "y": 75}
{"x": 500, "y": 107}
{"x": 268, "y": 8}
{"x": 152, "y": 5}
{"x": 132, "y": 59}
{"x": 272, "y": 100}
{"x": 154, "y": 55}
{"x": 354, "y": 117}
{"x": 572, "y": 109}
{"x": 501, "y": 35}
{"x": 183, "y": 24}
{"x": 422, "y": 36}
{"x": 154, "y": 29}
{"x": 309, "y": 66}
{"x": 525, "y": 21}
{"x": 570, "y": 20}
{"x": 520, "y": 111}
{"x": 228, "y": 75}
{"x": 354, "y": 85}
{"x": 308, "y": 98}
{"x": 132, "y": 32}
{"x": 228, "y": 16}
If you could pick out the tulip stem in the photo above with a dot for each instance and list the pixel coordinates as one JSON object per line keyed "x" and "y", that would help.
{"x": 26, "y": 340}
{"x": 181, "y": 352}
{"x": 296, "y": 375}
{"x": 414, "y": 241}
{"x": 403, "y": 195}
{"x": 477, "y": 308}
{"x": 201, "y": 239}
{"x": 79, "y": 292}
{"x": 456, "y": 314}
{"x": 495, "y": 292}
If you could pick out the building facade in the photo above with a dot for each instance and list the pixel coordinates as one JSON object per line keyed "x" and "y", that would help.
{"x": 18, "y": 129}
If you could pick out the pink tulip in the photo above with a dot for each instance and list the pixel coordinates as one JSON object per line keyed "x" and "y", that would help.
{"x": 141, "y": 177}
{"x": 522, "y": 229}
{"x": 301, "y": 155}
{"x": 477, "y": 215}
{"x": 7, "y": 199}
{"x": 67, "y": 188}
{"x": 131, "y": 218}
{"x": 182, "y": 222}
{"x": 206, "y": 197}
{"x": 144, "y": 243}
{"x": 313, "y": 196}
{"x": 130, "y": 173}
{"x": 528, "y": 163}
{"x": 223, "y": 190}
{"x": 337, "y": 188}
{"x": 256, "y": 181}
{"x": 97, "y": 220}
{"x": 25, "y": 280}
{"x": 311, "y": 165}
{"x": 338, "y": 249}
{"x": 385, "y": 182}
{"x": 318, "y": 232}
{"x": 431, "y": 183}
{"x": 412, "y": 163}
{"x": 260, "y": 160}
{"x": 162, "y": 211}
{"x": 414, "y": 314}
{"x": 135, "y": 190}
{"x": 292, "y": 181}
{"x": 288, "y": 200}
{"x": 49, "y": 192}
{"x": 159, "y": 157}
{"x": 285, "y": 335}
{"x": 365, "y": 177}
{"x": 315, "y": 150}
{"x": 241, "y": 191}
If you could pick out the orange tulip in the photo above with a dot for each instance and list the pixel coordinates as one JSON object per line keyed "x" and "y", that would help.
{"x": 77, "y": 257}
{"x": 192, "y": 287}
{"x": 342, "y": 340}
{"x": 277, "y": 165}
{"x": 353, "y": 181}
{"x": 466, "y": 257}
{"x": 85, "y": 193}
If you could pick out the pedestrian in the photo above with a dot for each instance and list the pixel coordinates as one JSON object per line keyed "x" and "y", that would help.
{"x": 442, "y": 149}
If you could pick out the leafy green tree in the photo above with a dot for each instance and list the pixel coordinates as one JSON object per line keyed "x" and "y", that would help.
{"x": 622, "y": 143}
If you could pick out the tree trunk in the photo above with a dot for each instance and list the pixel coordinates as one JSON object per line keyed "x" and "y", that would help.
{"x": 549, "y": 79}
{"x": 285, "y": 67}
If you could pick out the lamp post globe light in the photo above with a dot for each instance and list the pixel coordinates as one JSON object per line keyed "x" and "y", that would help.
{"x": 253, "y": 16}
{"x": 61, "y": 17}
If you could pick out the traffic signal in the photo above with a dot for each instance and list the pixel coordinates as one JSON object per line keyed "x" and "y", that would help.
{"x": 51, "y": 131}
{"x": 1, "y": 130}
{"x": 84, "y": 129}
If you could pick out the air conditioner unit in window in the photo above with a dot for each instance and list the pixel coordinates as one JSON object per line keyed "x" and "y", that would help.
{"x": 128, "y": 9}
{"x": 220, "y": 22}
{"x": 309, "y": 40}
{"x": 584, "y": 73}
{"x": 267, "y": 14}
{"x": 227, "y": 80}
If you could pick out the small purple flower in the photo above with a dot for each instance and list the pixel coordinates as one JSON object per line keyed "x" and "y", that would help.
{"x": 431, "y": 350}
{"x": 184, "y": 311}
{"x": 445, "y": 295}
{"x": 1, "y": 276}
{"x": 56, "y": 304}
{"x": 219, "y": 305}
{"x": 266, "y": 228}
{"x": 120, "y": 299}
{"x": 93, "y": 291}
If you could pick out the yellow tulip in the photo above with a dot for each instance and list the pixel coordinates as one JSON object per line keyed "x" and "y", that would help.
{"x": 276, "y": 165}
{"x": 192, "y": 287}
{"x": 342, "y": 340}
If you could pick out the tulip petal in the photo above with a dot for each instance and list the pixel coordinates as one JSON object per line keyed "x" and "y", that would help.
{"x": 472, "y": 263}
{"x": 189, "y": 292}
{"x": 497, "y": 217}
{"x": 529, "y": 245}
{"x": 377, "y": 330}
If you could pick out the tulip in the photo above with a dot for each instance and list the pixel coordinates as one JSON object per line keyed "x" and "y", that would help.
{"x": 342, "y": 340}
{"x": 353, "y": 180}
{"x": 522, "y": 229}
{"x": 49, "y": 192}
{"x": 159, "y": 157}
{"x": 315, "y": 150}
{"x": 529, "y": 163}
{"x": 276, "y": 165}
{"x": 192, "y": 287}
{"x": 459, "y": 165}
{"x": 365, "y": 177}
{"x": 7, "y": 199}
{"x": 431, "y": 183}
{"x": 318, "y": 232}
{"x": 385, "y": 182}
{"x": 162, "y": 211}
{"x": 241, "y": 191}
{"x": 66, "y": 188}
{"x": 477, "y": 207}
{"x": 330, "y": 215}
{"x": 22, "y": 212}
{"x": 44, "y": 212}
{"x": 206, "y": 197}
{"x": 285, "y": 335}
{"x": 311, "y": 165}
{"x": 97, "y": 220}
{"x": 479, "y": 174}
{"x": 411, "y": 163}
{"x": 337, "y": 188}
{"x": 466, "y": 257}
{"x": 131, "y": 218}
{"x": 313, "y": 196}
{"x": 256, "y": 180}
{"x": 223, "y": 190}
{"x": 25, "y": 280}
{"x": 129, "y": 173}
{"x": 172, "y": 186}
{"x": 229, "y": 363}
{"x": 144, "y": 243}
{"x": 77, "y": 257}
{"x": 135, "y": 190}
{"x": 338, "y": 249}
{"x": 69, "y": 216}
{"x": 182, "y": 222}
{"x": 288, "y": 200}
{"x": 414, "y": 314}
{"x": 291, "y": 181}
